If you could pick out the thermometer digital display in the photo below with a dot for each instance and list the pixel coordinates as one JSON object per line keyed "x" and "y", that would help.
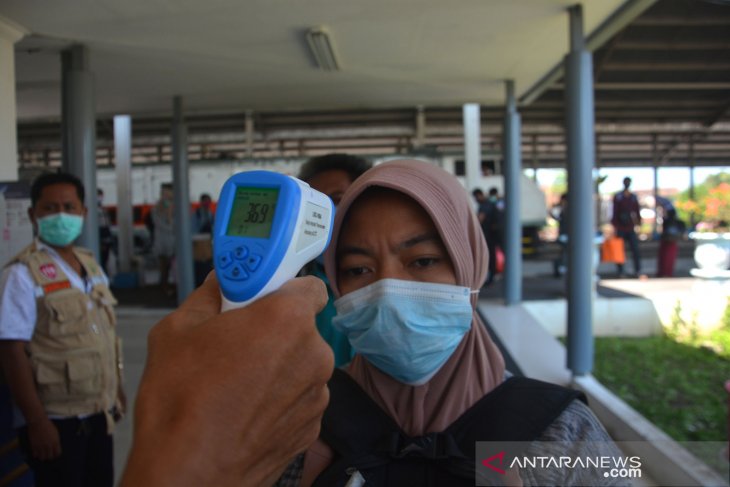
{"x": 268, "y": 226}
{"x": 253, "y": 212}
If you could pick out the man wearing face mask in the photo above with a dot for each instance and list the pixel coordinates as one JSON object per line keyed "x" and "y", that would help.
{"x": 58, "y": 347}
{"x": 163, "y": 244}
{"x": 331, "y": 174}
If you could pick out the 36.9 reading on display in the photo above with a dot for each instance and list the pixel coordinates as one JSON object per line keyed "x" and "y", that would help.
{"x": 253, "y": 212}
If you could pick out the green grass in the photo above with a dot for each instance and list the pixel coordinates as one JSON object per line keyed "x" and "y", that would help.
{"x": 677, "y": 386}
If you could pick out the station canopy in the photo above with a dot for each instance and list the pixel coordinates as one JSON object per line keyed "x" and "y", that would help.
{"x": 661, "y": 76}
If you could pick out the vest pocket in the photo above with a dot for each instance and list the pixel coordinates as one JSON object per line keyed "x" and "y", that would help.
{"x": 84, "y": 374}
{"x": 69, "y": 316}
{"x": 68, "y": 378}
{"x": 51, "y": 378}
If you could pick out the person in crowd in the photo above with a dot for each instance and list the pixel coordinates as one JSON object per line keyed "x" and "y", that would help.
{"x": 203, "y": 217}
{"x": 673, "y": 230}
{"x": 406, "y": 260}
{"x": 106, "y": 238}
{"x": 150, "y": 226}
{"x": 163, "y": 245}
{"x": 331, "y": 174}
{"x": 224, "y": 404}
{"x": 479, "y": 197}
{"x": 490, "y": 214}
{"x": 202, "y": 228}
{"x": 58, "y": 346}
{"x": 624, "y": 220}
{"x": 560, "y": 213}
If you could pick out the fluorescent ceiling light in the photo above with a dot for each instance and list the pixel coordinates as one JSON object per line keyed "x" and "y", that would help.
{"x": 323, "y": 49}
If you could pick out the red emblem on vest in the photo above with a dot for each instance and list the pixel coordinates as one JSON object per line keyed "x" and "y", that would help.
{"x": 48, "y": 270}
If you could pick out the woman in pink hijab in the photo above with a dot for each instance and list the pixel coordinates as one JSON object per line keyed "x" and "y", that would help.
{"x": 406, "y": 261}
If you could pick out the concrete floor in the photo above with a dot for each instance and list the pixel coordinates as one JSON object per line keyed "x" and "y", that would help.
{"x": 133, "y": 326}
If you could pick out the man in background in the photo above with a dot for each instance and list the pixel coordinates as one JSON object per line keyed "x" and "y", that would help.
{"x": 106, "y": 239}
{"x": 58, "y": 345}
{"x": 202, "y": 227}
{"x": 624, "y": 220}
{"x": 331, "y": 174}
{"x": 203, "y": 218}
{"x": 490, "y": 214}
{"x": 163, "y": 245}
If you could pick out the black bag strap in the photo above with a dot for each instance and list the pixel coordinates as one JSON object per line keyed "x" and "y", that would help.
{"x": 353, "y": 422}
{"x": 518, "y": 410}
{"x": 365, "y": 437}
{"x": 352, "y": 425}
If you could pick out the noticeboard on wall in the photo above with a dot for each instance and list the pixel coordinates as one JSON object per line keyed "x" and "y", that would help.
{"x": 16, "y": 230}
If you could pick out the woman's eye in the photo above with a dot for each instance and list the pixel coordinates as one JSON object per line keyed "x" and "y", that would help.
{"x": 356, "y": 271}
{"x": 425, "y": 262}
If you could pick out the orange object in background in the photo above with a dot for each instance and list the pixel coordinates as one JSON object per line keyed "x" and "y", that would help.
{"x": 500, "y": 260}
{"x": 612, "y": 250}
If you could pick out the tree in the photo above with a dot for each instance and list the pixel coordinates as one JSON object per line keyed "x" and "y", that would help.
{"x": 711, "y": 203}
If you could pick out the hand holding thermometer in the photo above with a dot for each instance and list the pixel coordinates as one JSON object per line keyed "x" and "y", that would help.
{"x": 267, "y": 227}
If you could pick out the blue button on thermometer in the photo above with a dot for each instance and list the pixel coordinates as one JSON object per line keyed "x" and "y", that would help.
{"x": 268, "y": 225}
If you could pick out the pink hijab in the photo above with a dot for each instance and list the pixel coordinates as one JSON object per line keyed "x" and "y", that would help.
{"x": 477, "y": 366}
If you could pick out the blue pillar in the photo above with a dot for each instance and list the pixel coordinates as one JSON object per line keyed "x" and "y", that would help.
{"x": 78, "y": 120}
{"x": 581, "y": 226}
{"x": 655, "y": 164}
{"x": 513, "y": 225}
{"x": 691, "y": 162}
{"x": 181, "y": 196}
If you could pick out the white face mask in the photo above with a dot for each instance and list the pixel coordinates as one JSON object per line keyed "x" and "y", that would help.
{"x": 407, "y": 329}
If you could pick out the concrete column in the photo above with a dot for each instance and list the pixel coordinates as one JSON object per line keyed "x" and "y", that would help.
{"x": 78, "y": 122}
{"x": 181, "y": 196}
{"x": 249, "y": 134}
{"x": 581, "y": 226}
{"x": 10, "y": 33}
{"x": 691, "y": 161}
{"x": 513, "y": 226}
{"x": 472, "y": 145}
{"x": 656, "y": 200}
{"x": 123, "y": 164}
{"x": 420, "y": 136}
{"x": 535, "y": 158}
{"x": 655, "y": 164}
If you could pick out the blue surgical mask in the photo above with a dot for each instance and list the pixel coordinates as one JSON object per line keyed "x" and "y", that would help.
{"x": 407, "y": 329}
{"x": 60, "y": 229}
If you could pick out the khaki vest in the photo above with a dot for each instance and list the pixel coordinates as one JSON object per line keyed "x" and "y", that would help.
{"x": 74, "y": 352}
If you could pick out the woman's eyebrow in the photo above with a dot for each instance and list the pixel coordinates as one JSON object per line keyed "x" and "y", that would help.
{"x": 351, "y": 249}
{"x": 426, "y": 237}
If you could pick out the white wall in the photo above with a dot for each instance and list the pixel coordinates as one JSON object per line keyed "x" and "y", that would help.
{"x": 9, "y": 34}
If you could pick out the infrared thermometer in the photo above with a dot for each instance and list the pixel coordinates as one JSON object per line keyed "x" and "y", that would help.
{"x": 267, "y": 227}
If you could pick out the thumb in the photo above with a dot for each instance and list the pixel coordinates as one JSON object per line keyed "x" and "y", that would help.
{"x": 310, "y": 291}
{"x": 202, "y": 304}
